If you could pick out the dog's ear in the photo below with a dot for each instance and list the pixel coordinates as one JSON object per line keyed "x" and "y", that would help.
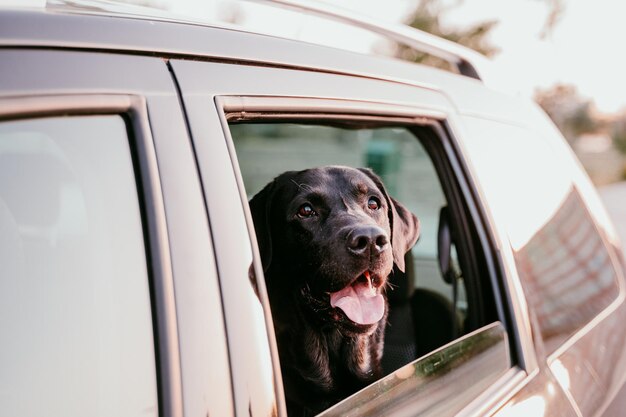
{"x": 261, "y": 207}
{"x": 405, "y": 229}
{"x": 405, "y": 226}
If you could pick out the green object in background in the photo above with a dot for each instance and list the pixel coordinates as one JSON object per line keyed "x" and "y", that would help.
{"x": 384, "y": 157}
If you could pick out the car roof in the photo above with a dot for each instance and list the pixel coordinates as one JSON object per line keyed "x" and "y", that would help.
{"x": 105, "y": 26}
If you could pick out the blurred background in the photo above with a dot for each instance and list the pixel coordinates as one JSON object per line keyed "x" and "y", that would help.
{"x": 558, "y": 52}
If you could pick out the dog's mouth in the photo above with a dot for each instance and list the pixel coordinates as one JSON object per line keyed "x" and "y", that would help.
{"x": 360, "y": 300}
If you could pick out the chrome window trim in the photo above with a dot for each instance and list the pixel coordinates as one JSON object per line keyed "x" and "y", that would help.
{"x": 134, "y": 108}
{"x": 248, "y": 107}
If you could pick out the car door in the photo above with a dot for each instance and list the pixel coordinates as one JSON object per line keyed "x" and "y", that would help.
{"x": 110, "y": 301}
{"x": 274, "y": 119}
{"x": 565, "y": 252}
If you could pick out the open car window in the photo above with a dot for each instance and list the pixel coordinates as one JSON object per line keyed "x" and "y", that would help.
{"x": 430, "y": 385}
{"x": 444, "y": 295}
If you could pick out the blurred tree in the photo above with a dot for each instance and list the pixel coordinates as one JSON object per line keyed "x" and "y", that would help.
{"x": 573, "y": 114}
{"x": 618, "y": 133}
{"x": 557, "y": 9}
{"x": 427, "y": 15}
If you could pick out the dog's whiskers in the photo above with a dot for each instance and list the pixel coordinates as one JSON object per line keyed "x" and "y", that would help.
{"x": 391, "y": 285}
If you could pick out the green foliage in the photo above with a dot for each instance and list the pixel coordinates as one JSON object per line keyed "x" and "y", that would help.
{"x": 426, "y": 17}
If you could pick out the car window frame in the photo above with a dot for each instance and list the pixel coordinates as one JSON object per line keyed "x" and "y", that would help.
{"x": 133, "y": 110}
{"x": 462, "y": 224}
{"x": 202, "y": 83}
{"x": 285, "y": 108}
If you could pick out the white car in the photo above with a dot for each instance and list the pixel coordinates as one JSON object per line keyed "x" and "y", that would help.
{"x": 129, "y": 147}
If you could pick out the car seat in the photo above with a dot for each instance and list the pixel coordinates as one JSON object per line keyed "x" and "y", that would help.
{"x": 419, "y": 320}
{"x": 400, "y": 339}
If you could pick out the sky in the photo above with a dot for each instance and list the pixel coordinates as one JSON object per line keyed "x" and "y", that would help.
{"x": 578, "y": 51}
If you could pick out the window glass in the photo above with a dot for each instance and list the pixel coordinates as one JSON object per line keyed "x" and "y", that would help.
{"x": 75, "y": 308}
{"x": 430, "y": 385}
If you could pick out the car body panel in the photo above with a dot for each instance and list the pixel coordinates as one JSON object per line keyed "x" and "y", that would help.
{"x": 256, "y": 384}
{"x": 586, "y": 368}
{"x": 539, "y": 395}
{"x": 591, "y": 366}
{"x": 147, "y": 90}
{"x": 201, "y": 329}
{"x": 175, "y": 82}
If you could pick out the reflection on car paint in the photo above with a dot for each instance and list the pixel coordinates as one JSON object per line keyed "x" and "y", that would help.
{"x": 540, "y": 396}
{"x": 594, "y": 363}
{"x": 561, "y": 374}
{"x": 532, "y": 406}
{"x": 566, "y": 272}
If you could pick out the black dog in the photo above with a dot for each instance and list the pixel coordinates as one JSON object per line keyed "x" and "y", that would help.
{"x": 328, "y": 239}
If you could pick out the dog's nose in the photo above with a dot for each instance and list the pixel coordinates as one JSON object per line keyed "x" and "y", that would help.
{"x": 367, "y": 241}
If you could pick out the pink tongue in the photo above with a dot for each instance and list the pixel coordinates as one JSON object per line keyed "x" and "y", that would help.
{"x": 360, "y": 302}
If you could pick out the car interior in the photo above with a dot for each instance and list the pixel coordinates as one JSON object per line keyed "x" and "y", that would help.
{"x": 440, "y": 296}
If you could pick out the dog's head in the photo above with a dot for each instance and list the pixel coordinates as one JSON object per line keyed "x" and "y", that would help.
{"x": 330, "y": 236}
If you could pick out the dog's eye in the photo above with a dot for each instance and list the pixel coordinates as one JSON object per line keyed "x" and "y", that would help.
{"x": 306, "y": 210}
{"x": 373, "y": 203}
